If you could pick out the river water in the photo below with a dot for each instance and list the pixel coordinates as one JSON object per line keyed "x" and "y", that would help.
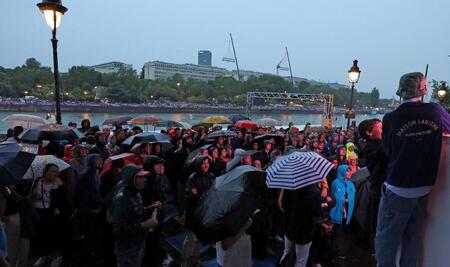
{"x": 191, "y": 118}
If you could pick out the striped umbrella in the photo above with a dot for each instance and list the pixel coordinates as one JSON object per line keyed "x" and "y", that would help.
{"x": 297, "y": 170}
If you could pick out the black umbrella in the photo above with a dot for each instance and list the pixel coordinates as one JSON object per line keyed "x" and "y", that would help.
{"x": 169, "y": 124}
{"x": 13, "y": 146}
{"x": 221, "y": 133}
{"x": 229, "y": 204}
{"x": 238, "y": 117}
{"x": 191, "y": 157}
{"x": 51, "y": 132}
{"x": 146, "y": 138}
{"x": 165, "y": 145}
{"x": 14, "y": 163}
{"x": 237, "y": 159}
{"x": 120, "y": 120}
{"x": 278, "y": 139}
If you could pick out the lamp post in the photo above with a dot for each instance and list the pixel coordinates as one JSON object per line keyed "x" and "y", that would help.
{"x": 353, "y": 77}
{"x": 442, "y": 92}
{"x": 53, "y": 10}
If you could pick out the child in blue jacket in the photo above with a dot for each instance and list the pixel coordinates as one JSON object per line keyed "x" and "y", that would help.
{"x": 343, "y": 190}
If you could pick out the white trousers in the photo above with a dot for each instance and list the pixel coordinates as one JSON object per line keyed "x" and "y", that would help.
{"x": 301, "y": 252}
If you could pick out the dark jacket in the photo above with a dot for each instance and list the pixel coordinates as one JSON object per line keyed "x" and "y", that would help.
{"x": 412, "y": 137}
{"x": 202, "y": 183}
{"x": 87, "y": 191}
{"x": 127, "y": 211}
{"x": 301, "y": 207}
{"x": 217, "y": 167}
{"x": 100, "y": 149}
{"x": 376, "y": 162}
{"x": 263, "y": 157}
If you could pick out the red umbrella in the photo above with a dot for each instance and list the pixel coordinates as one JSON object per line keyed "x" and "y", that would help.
{"x": 246, "y": 124}
{"x": 126, "y": 157}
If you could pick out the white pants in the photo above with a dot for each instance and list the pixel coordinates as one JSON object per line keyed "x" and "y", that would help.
{"x": 301, "y": 252}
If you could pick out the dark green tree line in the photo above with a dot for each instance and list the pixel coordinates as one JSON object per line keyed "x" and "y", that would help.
{"x": 84, "y": 83}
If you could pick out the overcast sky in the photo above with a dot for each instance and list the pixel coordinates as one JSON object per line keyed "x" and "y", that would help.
{"x": 389, "y": 38}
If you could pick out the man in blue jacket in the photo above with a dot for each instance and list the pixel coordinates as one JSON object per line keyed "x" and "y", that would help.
{"x": 412, "y": 137}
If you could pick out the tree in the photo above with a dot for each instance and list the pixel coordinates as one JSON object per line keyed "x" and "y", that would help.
{"x": 116, "y": 92}
{"x": 32, "y": 63}
{"x": 374, "y": 97}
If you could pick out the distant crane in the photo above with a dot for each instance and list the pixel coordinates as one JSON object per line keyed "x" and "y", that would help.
{"x": 226, "y": 58}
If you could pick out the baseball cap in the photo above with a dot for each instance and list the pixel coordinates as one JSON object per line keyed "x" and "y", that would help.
{"x": 412, "y": 85}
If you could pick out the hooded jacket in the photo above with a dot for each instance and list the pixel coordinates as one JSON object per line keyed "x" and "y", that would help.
{"x": 127, "y": 211}
{"x": 350, "y": 153}
{"x": 87, "y": 191}
{"x": 99, "y": 147}
{"x": 199, "y": 181}
{"x": 67, "y": 153}
{"x": 340, "y": 189}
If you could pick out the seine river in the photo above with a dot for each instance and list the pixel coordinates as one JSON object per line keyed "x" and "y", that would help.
{"x": 191, "y": 118}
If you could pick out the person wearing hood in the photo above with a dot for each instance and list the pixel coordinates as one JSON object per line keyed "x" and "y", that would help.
{"x": 343, "y": 190}
{"x": 87, "y": 202}
{"x": 127, "y": 217}
{"x": 100, "y": 146}
{"x": 68, "y": 153}
{"x": 77, "y": 164}
{"x": 178, "y": 159}
{"x": 156, "y": 194}
{"x": 197, "y": 185}
{"x": 264, "y": 155}
{"x": 85, "y": 126}
{"x": 350, "y": 151}
{"x": 332, "y": 144}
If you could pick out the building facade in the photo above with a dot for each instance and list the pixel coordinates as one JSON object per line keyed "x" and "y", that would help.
{"x": 157, "y": 70}
{"x": 111, "y": 67}
{"x": 204, "y": 58}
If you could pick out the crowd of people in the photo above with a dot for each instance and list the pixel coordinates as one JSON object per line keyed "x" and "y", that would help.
{"x": 110, "y": 211}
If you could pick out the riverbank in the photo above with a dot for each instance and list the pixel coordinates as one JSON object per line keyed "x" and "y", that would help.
{"x": 131, "y": 108}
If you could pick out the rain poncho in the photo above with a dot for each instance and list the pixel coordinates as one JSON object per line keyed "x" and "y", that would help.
{"x": 350, "y": 153}
{"x": 342, "y": 188}
{"x": 127, "y": 211}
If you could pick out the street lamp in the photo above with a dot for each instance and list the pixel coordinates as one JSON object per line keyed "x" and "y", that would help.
{"x": 53, "y": 10}
{"x": 353, "y": 77}
{"x": 442, "y": 92}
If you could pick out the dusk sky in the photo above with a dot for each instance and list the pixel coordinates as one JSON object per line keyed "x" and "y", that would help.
{"x": 389, "y": 38}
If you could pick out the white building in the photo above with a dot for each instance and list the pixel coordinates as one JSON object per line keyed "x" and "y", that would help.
{"x": 157, "y": 70}
{"x": 111, "y": 67}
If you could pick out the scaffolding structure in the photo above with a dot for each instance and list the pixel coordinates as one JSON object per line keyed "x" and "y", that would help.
{"x": 320, "y": 99}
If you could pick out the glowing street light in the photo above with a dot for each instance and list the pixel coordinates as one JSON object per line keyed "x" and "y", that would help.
{"x": 443, "y": 91}
{"x": 353, "y": 77}
{"x": 53, "y": 10}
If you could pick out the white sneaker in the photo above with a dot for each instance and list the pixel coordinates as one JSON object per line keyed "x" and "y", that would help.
{"x": 40, "y": 262}
{"x": 56, "y": 262}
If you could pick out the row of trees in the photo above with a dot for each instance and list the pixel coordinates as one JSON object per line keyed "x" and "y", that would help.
{"x": 84, "y": 83}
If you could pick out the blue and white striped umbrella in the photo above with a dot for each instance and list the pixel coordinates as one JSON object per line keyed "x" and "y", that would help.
{"x": 297, "y": 170}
